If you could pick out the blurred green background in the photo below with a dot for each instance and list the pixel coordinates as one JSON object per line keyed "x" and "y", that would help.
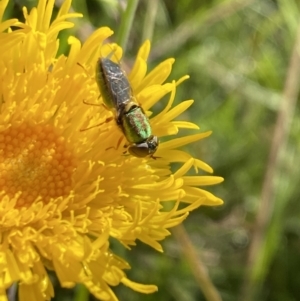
{"x": 244, "y": 66}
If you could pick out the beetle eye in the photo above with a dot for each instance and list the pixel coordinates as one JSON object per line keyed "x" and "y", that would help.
{"x": 152, "y": 143}
{"x": 144, "y": 149}
{"x": 139, "y": 150}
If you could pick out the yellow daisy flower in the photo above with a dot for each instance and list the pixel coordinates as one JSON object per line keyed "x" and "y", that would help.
{"x": 65, "y": 189}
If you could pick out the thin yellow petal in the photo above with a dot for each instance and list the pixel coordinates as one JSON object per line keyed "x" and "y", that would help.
{"x": 138, "y": 72}
{"x": 158, "y": 75}
{"x": 185, "y": 125}
{"x": 175, "y": 143}
{"x": 44, "y": 14}
{"x": 202, "y": 180}
{"x": 3, "y": 5}
{"x": 142, "y": 288}
{"x": 6, "y": 24}
{"x": 183, "y": 106}
{"x": 144, "y": 50}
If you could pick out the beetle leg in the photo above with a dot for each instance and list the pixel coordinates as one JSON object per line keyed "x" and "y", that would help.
{"x": 96, "y": 125}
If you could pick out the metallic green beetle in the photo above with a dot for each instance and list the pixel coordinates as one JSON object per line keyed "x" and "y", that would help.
{"x": 130, "y": 117}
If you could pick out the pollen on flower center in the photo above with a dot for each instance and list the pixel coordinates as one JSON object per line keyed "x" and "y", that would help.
{"x": 35, "y": 161}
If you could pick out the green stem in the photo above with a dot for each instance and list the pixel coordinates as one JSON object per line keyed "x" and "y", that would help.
{"x": 126, "y": 23}
{"x": 81, "y": 293}
{"x": 149, "y": 22}
{"x": 197, "y": 266}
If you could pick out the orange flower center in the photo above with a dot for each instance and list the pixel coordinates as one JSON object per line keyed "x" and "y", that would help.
{"x": 35, "y": 161}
